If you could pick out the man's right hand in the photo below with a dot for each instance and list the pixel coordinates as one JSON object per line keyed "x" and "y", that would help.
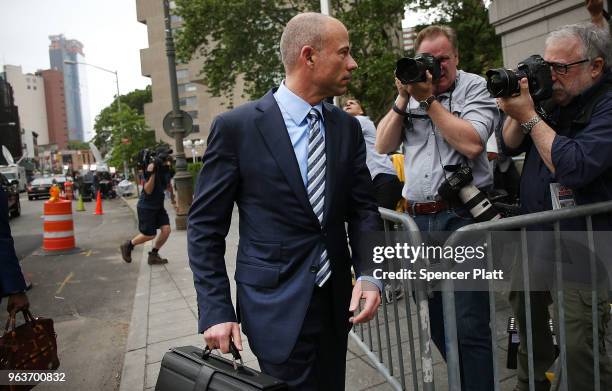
{"x": 219, "y": 336}
{"x": 17, "y": 302}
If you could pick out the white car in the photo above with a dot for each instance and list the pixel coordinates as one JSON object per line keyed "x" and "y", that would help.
{"x": 126, "y": 188}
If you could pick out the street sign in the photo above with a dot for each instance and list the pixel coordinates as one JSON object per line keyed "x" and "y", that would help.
{"x": 168, "y": 123}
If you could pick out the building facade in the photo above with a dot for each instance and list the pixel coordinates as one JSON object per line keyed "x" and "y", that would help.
{"x": 55, "y": 103}
{"x": 65, "y": 56}
{"x": 29, "y": 97}
{"x": 10, "y": 128}
{"x": 408, "y": 36}
{"x": 193, "y": 95}
{"x": 524, "y": 24}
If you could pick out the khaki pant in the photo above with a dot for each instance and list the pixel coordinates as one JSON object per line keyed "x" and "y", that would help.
{"x": 579, "y": 339}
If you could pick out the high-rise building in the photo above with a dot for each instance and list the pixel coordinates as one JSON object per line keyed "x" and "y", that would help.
{"x": 56, "y": 107}
{"x": 193, "y": 95}
{"x": 10, "y": 128}
{"x": 65, "y": 56}
{"x": 29, "y": 97}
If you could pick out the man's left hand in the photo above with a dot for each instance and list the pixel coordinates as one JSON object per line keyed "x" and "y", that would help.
{"x": 368, "y": 291}
{"x": 520, "y": 107}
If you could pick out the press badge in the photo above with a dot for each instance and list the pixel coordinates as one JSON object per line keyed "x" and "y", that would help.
{"x": 561, "y": 196}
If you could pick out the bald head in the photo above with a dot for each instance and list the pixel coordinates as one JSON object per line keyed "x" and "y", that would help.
{"x": 307, "y": 29}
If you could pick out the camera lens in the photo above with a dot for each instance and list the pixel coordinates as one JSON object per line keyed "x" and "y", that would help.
{"x": 409, "y": 70}
{"x": 498, "y": 82}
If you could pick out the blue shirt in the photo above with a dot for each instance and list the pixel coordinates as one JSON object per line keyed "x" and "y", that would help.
{"x": 581, "y": 154}
{"x": 295, "y": 111}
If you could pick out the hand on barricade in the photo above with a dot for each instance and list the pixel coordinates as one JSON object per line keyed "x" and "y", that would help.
{"x": 370, "y": 293}
{"x": 219, "y": 335}
{"x": 17, "y": 302}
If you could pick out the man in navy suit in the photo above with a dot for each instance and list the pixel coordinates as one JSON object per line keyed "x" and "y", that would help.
{"x": 296, "y": 168}
{"x": 12, "y": 283}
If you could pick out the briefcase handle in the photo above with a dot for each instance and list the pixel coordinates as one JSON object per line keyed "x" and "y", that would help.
{"x": 12, "y": 320}
{"x": 233, "y": 350}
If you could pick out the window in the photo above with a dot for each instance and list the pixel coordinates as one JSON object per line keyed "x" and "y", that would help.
{"x": 175, "y": 19}
{"x": 28, "y": 87}
{"x": 193, "y": 114}
{"x": 186, "y": 87}
{"x": 182, "y": 73}
{"x": 188, "y": 101}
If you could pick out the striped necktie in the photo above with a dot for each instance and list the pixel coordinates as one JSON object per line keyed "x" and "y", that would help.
{"x": 316, "y": 183}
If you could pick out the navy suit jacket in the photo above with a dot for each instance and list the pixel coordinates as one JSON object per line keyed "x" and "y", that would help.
{"x": 11, "y": 279}
{"x": 250, "y": 161}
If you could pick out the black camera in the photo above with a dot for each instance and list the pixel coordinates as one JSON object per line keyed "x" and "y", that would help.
{"x": 158, "y": 157}
{"x": 412, "y": 70}
{"x": 506, "y": 82}
{"x": 459, "y": 185}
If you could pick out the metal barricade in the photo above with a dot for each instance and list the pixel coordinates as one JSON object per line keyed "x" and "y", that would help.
{"x": 373, "y": 346}
{"x": 554, "y": 218}
{"x": 376, "y": 336}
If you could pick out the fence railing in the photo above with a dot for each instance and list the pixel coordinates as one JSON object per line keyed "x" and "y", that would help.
{"x": 369, "y": 338}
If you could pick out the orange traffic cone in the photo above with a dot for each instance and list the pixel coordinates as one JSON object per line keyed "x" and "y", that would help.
{"x": 99, "y": 204}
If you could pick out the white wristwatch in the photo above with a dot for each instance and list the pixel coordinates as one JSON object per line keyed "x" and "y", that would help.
{"x": 527, "y": 126}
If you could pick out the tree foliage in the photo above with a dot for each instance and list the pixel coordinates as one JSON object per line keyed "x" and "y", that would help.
{"x": 105, "y": 120}
{"x": 76, "y": 145}
{"x": 240, "y": 39}
{"x": 122, "y": 131}
{"x": 479, "y": 46}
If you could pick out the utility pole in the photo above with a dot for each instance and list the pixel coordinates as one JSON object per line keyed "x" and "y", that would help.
{"x": 182, "y": 178}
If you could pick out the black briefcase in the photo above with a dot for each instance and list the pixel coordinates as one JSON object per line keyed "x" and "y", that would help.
{"x": 188, "y": 368}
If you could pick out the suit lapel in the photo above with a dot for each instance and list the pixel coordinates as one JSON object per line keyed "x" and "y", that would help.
{"x": 269, "y": 121}
{"x": 332, "y": 143}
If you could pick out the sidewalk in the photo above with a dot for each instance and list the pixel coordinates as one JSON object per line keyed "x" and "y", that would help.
{"x": 165, "y": 315}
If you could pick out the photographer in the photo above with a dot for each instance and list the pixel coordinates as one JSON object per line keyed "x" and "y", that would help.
{"x": 151, "y": 213}
{"x": 569, "y": 149}
{"x": 444, "y": 122}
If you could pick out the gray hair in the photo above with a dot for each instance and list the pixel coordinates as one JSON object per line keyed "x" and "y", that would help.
{"x": 305, "y": 29}
{"x": 595, "y": 41}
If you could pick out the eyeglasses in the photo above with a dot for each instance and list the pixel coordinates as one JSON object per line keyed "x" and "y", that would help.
{"x": 561, "y": 69}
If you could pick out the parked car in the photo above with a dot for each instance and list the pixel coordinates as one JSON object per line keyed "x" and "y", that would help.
{"x": 40, "y": 188}
{"x": 60, "y": 180}
{"x": 12, "y": 193}
{"x": 126, "y": 188}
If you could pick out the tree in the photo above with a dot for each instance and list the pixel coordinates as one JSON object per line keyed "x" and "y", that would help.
{"x": 240, "y": 39}
{"x": 105, "y": 120}
{"x": 129, "y": 135}
{"x": 123, "y": 133}
{"x": 479, "y": 46}
{"x": 76, "y": 145}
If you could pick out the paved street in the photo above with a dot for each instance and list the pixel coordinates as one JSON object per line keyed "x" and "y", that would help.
{"x": 89, "y": 294}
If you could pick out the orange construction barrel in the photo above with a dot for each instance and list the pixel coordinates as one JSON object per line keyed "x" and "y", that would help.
{"x": 58, "y": 228}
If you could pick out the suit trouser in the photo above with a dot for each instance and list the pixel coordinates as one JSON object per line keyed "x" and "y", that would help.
{"x": 579, "y": 339}
{"x": 318, "y": 360}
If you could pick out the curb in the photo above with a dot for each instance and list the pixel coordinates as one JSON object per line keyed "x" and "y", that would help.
{"x": 134, "y": 361}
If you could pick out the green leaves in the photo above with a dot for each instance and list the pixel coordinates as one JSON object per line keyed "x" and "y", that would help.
{"x": 238, "y": 41}
{"x": 123, "y": 132}
{"x": 479, "y": 47}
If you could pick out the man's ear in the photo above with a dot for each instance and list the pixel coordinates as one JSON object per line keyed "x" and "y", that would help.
{"x": 597, "y": 67}
{"x": 306, "y": 55}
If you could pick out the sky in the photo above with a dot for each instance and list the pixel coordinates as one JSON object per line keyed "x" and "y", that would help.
{"x": 108, "y": 29}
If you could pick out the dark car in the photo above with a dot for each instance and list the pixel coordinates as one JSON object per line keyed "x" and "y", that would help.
{"x": 12, "y": 194}
{"x": 40, "y": 188}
